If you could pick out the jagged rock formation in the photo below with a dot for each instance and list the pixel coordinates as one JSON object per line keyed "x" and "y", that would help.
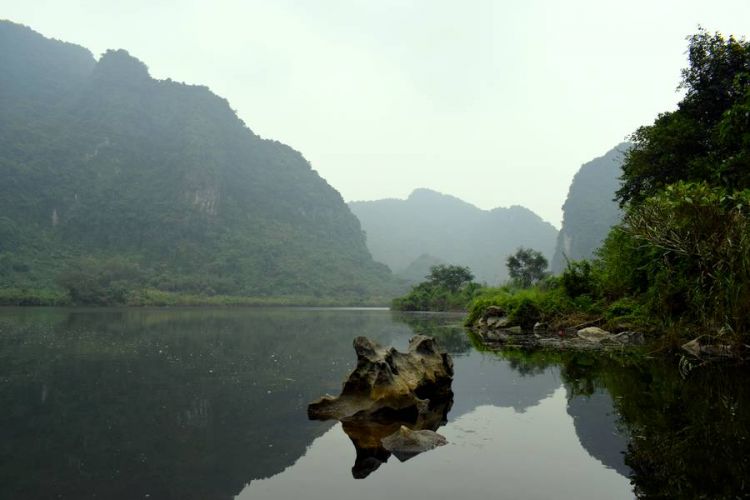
{"x": 589, "y": 210}
{"x": 389, "y": 390}
{"x": 387, "y": 381}
{"x": 452, "y": 231}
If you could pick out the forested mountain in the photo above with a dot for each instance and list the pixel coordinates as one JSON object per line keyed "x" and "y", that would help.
{"x": 154, "y": 184}
{"x": 590, "y": 211}
{"x": 452, "y": 231}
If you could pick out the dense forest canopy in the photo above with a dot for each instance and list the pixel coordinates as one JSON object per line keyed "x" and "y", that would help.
{"x": 708, "y": 137}
{"x": 123, "y": 182}
{"x": 685, "y": 241}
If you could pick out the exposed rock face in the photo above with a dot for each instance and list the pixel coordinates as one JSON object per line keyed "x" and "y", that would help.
{"x": 386, "y": 380}
{"x": 389, "y": 390}
{"x": 589, "y": 211}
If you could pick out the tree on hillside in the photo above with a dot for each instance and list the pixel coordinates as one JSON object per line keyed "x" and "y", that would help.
{"x": 526, "y": 266}
{"x": 707, "y": 138}
{"x": 450, "y": 277}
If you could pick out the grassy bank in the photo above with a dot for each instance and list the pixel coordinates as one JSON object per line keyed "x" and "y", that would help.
{"x": 551, "y": 304}
{"x": 159, "y": 298}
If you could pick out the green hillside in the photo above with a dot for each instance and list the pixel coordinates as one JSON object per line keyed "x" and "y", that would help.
{"x": 115, "y": 181}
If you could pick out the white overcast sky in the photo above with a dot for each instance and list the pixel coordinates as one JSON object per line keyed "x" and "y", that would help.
{"x": 496, "y": 102}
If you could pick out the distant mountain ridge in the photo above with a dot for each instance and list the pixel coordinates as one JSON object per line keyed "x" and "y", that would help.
{"x": 450, "y": 230}
{"x": 98, "y": 160}
{"x": 590, "y": 211}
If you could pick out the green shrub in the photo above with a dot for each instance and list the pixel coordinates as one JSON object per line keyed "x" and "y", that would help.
{"x": 578, "y": 279}
{"x": 525, "y": 307}
{"x": 525, "y": 313}
{"x": 622, "y": 307}
{"x": 33, "y": 297}
{"x": 101, "y": 281}
{"x": 429, "y": 296}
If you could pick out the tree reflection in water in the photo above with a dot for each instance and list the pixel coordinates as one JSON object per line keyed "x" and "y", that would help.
{"x": 686, "y": 434}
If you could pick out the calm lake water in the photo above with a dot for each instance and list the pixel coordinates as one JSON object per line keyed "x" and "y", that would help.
{"x": 211, "y": 404}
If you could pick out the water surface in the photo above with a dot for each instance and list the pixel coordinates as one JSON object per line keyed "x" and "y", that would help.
{"x": 211, "y": 404}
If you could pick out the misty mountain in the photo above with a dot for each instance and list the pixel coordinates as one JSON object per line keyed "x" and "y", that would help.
{"x": 419, "y": 268}
{"x": 589, "y": 211}
{"x": 100, "y": 161}
{"x": 451, "y": 230}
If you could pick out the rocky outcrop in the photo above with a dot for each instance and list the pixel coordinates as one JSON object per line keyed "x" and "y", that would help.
{"x": 494, "y": 329}
{"x": 387, "y": 392}
{"x": 388, "y": 381}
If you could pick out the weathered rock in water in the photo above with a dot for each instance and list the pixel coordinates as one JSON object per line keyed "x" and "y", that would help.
{"x": 389, "y": 390}
{"x": 386, "y": 380}
{"x": 594, "y": 334}
{"x": 406, "y": 443}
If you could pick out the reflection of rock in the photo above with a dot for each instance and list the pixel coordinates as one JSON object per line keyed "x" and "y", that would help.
{"x": 406, "y": 443}
{"x": 368, "y": 431}
{"x": 387, "y": 391}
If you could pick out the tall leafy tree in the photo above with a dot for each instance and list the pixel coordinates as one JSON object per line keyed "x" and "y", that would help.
{"x": 708, "y": 137}
{"x": 526, "y": 266}
{"x": 686, "y": 189}
{"x": 450, "y": 277}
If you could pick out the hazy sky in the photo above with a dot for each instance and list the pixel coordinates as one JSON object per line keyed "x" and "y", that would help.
{"x": 496, "y": 102}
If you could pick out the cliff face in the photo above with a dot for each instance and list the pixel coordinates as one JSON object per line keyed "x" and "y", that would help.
{"x": 98, "y": 159}
{"x": 589, "y": 211}
{"x": 452, "y": 231}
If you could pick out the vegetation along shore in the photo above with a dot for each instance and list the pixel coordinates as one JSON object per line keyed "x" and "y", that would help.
{"x": 677, "y": 266}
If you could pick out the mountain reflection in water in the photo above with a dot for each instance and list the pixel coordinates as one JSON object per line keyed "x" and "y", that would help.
{"x": 211, "y": 404}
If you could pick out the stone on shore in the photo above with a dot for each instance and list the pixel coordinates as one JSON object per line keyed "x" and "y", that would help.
{"x": 594, "y": 334}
